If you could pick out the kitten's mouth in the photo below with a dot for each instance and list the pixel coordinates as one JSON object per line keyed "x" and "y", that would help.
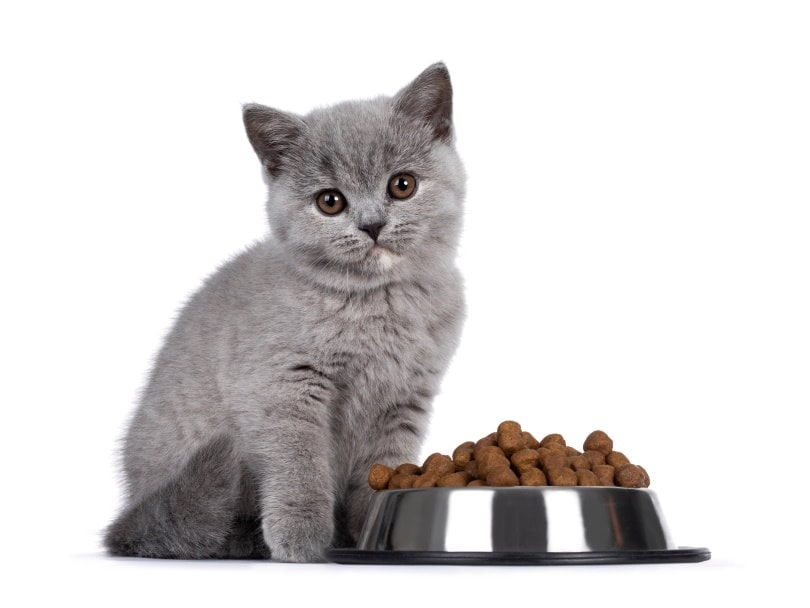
{"x": 384, "y": 256}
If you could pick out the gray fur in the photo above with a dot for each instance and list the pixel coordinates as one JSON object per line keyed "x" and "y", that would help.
{"x": 313, "y": 354}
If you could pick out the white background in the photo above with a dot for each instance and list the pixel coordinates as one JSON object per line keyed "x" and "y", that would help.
{"x": 635, "y": 251}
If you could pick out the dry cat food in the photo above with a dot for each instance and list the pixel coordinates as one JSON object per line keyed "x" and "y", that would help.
{"x": 513, "y": 457}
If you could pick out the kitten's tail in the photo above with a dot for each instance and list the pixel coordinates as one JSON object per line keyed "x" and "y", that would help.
{"x": 193, "y": 516}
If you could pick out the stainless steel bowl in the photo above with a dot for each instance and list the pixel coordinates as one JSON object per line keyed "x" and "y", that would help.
{"x": 516, "y": 525}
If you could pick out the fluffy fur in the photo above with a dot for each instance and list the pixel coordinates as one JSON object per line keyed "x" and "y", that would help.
{"x": 315, "y": 353}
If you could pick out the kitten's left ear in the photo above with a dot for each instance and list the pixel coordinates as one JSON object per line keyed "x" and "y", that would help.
{"x": 429, "y": 98}
{"x": 273, "y": 134}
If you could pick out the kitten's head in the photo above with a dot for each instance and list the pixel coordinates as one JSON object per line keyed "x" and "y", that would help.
{"x": 365, "y": 192}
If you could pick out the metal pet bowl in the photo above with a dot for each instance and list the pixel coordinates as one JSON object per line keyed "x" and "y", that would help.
{"x": 517, "y": 525}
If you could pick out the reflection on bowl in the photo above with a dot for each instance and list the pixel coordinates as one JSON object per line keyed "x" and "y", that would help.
{"x": 517, "y": 519}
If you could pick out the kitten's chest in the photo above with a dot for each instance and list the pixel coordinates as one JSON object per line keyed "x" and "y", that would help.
{"x": 381, "y": 341}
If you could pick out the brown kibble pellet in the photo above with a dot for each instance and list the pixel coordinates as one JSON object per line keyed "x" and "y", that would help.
{"x": 430, "y": 460}
{"x": 400, "y": 482}
{"x": 472, "y": 469}
{"x": 553, "y": 460}
{"x": 599, "y": 441}
{"x": 408, "y": 481}
{"x": 561, "y": 477}
{"x": 530, "y": 441}
{"x": 488, "y": 440}
{"x": 440, "y": 464}
{"x": 594, "y": 457}
{"x": 463, "y": 454}
{"x": 557, "y": 447}
{"x": 586, "y": 477}
{"x": 493, "y": 462}
{"x": 578, "y": 462}
{"x": 605, "y": 473}
{"x": 476, "y": 483}
{"x": 511, "y": 442}
{"x": 629, "y": 476}
{"x": 487, "y": 451}
{"x": 379, "y": 476}
{"x": 510, "y": 437}
{"x": 533, "y": 477}
{"x": 525, "y": 459}
{"x": 571, "y": 451}
{"x": 409, "y": 468}
{"x": 502, "y": 476}
{"x": 458, "y": 479}
{"x": 553, "y": 438}
{"x": 509, "y": 426}
{"x": 488, "y": 457}
{"x": 428, "y": 480}
{"x": 616, "y": 459}
{"x": 646, "y": 476}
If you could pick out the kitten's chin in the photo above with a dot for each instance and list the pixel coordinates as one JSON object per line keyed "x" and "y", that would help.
{"x": 384, "y": 257}
{"x": 372, "y": 268}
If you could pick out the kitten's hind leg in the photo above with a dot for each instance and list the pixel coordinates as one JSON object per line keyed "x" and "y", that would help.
{"x": 191, "y": 517}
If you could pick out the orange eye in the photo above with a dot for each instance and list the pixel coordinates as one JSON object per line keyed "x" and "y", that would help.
{"x": 331, "y": 202}
{"x": 402, "y": 186}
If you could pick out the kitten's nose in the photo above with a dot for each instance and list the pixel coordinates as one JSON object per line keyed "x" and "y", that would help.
{"x": 373, "y": 230}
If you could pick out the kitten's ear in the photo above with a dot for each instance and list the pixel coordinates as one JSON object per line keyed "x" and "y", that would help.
{"x": 429, "y": 98}
{"x": 271, "y": 133}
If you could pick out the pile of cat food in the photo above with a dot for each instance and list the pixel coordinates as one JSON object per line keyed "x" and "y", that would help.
{"x": 513, "y": 457}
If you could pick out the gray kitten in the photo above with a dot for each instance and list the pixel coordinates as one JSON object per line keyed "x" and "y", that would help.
{"x": 315, "y": 353}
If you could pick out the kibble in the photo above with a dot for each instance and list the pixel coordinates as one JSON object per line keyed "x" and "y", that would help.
{"x": 562, "y": 477}
{"x": 510, "y": 437}
{"x": 578, "y": 462}
{"x": 553, "y": 438}
{"x": 459, "y": 479}
{"x": 630, "y": 476}
{"x": 554, "y": 460}
{"x": 439, "y": 464}
{"x": 502, "y": 476}
{"x": 511, "y": 456}
{"x": 408, "y": 468}
{"x": 463, "y": 454}
{"x": 400, "y": 481}
{"x": 571, "y": 451}
{"x": 428, "y": 480}
{"x": 586, "y": 477}
{"x": 380, "y": 476}
{"x": 530, "y": 441}
{"x": 594, "y": 457}
{"x": 616, "y": 459}
{"x": 533, "y": 477}
{"x": 599, "y": 441}
{"x": 605, "y": 474}
{"x": 525, "y": 460}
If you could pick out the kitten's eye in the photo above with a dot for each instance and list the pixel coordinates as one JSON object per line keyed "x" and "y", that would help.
{"x": 402, "y": 185}
{"x": 331, "y": 202}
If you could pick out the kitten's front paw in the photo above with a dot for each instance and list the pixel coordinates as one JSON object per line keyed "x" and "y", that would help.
{"x": 298, "y": 539}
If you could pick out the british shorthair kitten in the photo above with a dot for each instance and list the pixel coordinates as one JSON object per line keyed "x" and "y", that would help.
{"x": 315, "y": 353}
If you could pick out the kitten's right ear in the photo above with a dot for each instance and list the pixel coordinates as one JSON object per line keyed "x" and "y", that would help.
{"x": 271, "y": 133}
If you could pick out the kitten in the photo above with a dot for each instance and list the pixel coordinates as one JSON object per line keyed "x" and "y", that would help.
{"x": 315, "y": 353}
